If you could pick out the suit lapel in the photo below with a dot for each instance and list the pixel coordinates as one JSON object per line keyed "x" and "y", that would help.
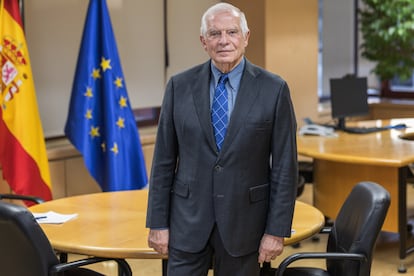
{"x": 201, "y": 96}
{"x": 245, "y": 98}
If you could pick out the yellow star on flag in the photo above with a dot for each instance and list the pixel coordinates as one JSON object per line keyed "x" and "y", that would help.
{"x": 121, "y": 122}
{"x": 103, "y": 146}
{"x": 96, "y": 74}
{"x": 123, "y": 102}
{"x": 88, "y": 92}
{"x": 94, "y": 131}
{"x": 114, "y": 149}
{"x": 105, "y": 64}
{"x": 118, "y": 82}
{"x": 88, "y": 114}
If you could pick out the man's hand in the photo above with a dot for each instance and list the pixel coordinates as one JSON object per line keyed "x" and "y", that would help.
{"x": 158, "y": 239}
{"x": 270, "y": 248}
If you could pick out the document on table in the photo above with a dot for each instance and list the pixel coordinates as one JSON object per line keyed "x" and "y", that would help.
{"x": 53, "y": 217}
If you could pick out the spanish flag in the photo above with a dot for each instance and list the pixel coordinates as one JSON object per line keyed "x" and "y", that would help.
{"x": 23, "y": 157}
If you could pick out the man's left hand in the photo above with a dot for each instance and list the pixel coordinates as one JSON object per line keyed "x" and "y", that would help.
{"x": 270, "y": 248}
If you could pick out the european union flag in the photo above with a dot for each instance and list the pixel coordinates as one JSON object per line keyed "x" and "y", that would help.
{"x": 100, "y": 122}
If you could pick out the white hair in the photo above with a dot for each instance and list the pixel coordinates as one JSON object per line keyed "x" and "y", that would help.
{"x": 223, "y": 7}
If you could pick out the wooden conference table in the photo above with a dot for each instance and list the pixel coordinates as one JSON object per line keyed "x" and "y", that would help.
{"x": 340, "y": 162}
{"x": 112, "y": 225}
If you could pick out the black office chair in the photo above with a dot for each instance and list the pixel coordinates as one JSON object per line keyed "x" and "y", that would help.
{"x": 25, "y": 249}
{"x": 305, "y": 175}
{"x": 352, "y": 237}
{"x": 33, "y": 199}
{"x": 306, "y": 170}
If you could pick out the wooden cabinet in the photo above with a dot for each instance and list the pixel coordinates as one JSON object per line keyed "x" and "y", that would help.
{"x": 69, "y": 175}
{"x": 390, "y": 108}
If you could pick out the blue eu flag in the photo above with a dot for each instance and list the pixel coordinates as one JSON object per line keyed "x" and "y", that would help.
{"x": 100, "y": 122}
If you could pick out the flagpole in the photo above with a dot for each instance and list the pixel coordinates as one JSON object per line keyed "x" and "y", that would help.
{"x": 21, "y": 7}
{"x": 166, "y": 50}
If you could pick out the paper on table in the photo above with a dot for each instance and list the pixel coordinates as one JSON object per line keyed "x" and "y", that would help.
{"x": 53, "y": 217}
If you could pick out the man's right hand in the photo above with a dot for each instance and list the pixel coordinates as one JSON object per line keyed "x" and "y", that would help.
{"x": 158, "y": 239}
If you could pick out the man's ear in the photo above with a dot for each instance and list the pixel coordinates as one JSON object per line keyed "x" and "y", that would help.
{"x": 203, "y": 42}
{"x": 246, "y": 39}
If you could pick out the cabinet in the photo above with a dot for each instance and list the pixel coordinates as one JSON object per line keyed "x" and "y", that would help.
{"x": 69, "y": 175}
{"x": 390, "y": 108}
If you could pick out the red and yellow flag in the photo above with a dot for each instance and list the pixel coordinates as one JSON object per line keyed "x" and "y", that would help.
{"x": 23, "y": 155}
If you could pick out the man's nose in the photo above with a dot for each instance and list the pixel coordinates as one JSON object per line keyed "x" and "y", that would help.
{"x": 224, "y": 38}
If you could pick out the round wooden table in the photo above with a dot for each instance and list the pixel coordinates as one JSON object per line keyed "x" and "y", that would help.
{"x": 341, "y": 162}
{"x": 112, "y": 224}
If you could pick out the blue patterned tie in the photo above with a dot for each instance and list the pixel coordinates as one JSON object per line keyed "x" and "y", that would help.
{"x": 219, "y": 111}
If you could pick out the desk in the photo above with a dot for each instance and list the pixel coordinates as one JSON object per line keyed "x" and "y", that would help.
{"x": 112, "y": 225}
{"x": 340, "y": 162}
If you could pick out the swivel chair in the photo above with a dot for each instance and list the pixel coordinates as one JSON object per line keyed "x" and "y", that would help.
{"x": 351, "y": 239}
{"x": 33, "y": 199}
{"x": 26, "y": 250}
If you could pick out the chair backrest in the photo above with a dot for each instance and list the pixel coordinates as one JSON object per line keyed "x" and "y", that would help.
{"x": 25, "y": 249}
{"x": 357, "y": 227}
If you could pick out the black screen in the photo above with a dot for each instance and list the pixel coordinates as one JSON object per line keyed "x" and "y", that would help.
{"x": 349, "y": 97}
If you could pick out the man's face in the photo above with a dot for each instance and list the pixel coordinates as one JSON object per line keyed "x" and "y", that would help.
{"x": 224, "y": 41}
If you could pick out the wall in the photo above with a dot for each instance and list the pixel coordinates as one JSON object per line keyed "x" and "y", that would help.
{"x": 337, "y": 40}
{"x": 292, "y": 50}
{"x": 254, "y": 12}
{"x": 184, "y": 46}
{"x": 286, "y": 43}
{"x": 54, "y": 30}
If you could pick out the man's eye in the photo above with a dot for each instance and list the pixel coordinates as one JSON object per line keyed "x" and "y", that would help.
{"x": 232, "y": 32}
{"x": 214, "y": 34}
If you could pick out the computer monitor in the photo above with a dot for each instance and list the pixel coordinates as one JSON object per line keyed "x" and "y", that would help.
{"x": 349, "y": 98}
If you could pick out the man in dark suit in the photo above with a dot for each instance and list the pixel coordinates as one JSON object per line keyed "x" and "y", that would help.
{"x": 230, "y": 199}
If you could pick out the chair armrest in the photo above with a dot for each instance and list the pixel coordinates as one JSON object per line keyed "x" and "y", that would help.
{"x": 322, "y": 255}
{"x": 123, "y": 265}
{"x": 34, "y": 199}
{"x": 74, "y": 264}
{"x": 325, "y": 230}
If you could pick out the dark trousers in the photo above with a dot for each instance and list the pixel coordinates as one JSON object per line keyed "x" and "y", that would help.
{"x": 182, "y": 263}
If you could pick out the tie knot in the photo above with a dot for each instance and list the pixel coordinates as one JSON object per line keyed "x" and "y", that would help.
{"x": 223, "y": 79}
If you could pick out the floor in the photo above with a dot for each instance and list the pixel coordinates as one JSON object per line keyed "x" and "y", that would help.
{"x": 385, "y": 257}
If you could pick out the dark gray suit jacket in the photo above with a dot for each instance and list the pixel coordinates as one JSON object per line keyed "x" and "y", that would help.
{"x": 248, "y": 188}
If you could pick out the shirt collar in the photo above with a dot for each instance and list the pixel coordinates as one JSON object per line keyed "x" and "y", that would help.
{"x": 234, "y": 75}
